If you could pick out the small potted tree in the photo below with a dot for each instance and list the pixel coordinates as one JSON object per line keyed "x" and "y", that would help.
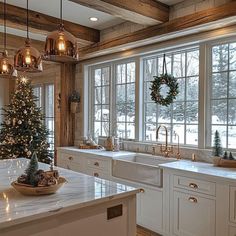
{"x": 74, "y": 100}
{"x": 217, "y": 148}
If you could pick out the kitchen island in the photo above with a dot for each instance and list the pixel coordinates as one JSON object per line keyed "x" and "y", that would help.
{"x": 85, "y": 206}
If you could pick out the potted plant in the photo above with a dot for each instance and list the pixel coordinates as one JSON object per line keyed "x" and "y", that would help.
{"x": 74, "y": 101}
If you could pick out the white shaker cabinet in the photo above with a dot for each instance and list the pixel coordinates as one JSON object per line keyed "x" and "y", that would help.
{"x": 193, "y": 215}
{"x": 150, "y": 209}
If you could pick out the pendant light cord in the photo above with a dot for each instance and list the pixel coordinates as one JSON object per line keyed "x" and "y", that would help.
{"x": 27, "y": 22}
{"x": 61, "y": 12}
{"x": 5, "y": 28}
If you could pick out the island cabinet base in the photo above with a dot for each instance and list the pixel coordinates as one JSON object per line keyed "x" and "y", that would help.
{"x": 114, "y": 217}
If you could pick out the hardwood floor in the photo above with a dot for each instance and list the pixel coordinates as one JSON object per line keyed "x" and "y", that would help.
{"x": 144, "y": 232}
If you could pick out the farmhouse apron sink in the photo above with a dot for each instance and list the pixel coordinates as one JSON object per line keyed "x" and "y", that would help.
{"x": 141, "y": 168}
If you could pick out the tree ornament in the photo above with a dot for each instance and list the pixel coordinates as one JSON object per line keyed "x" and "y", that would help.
{"x": 170, "y": 82}
{"x": 14, "y": 121}
{"x": 19, "y": 122}
{"x": 29, "y": 153}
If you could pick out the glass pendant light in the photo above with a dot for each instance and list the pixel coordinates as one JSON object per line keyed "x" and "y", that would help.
{"x": 61, "y": 46}
{"x": 6, "y": 64}
{"x": 28, "y": 58}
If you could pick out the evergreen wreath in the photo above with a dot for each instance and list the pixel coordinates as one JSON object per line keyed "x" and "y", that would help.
{"x": 168, "y": 80}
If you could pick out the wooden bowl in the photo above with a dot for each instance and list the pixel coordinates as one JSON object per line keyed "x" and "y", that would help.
{"x": 26, "y": 189}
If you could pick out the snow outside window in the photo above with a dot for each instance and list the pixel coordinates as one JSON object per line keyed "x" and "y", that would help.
{"x": 125, "y": 100}
{"x": 181, "y": 116}
{"x": 223, "y": 93}
{"x": 101, "y": 101}
{"x": 45, "y": 95}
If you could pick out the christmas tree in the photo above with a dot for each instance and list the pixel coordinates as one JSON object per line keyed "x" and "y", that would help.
{"x": 23, "y": 131}
{"x": 217, "y": 149}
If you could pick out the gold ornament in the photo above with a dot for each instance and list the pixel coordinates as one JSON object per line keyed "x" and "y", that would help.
{"x": 29, "y": 153}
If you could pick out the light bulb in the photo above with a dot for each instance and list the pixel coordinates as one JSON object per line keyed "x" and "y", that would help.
{"x": 61, "y": 43}
{"x": 27, "y": 57}
{"x": 4, "y": 66}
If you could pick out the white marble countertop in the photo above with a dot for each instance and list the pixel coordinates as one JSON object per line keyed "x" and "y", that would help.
{"x": 98, "y": 152}
{"x": 202, "y": 168}
{"x": 80, "y": 191}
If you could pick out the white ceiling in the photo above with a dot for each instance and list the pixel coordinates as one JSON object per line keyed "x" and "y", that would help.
{"x": 74, "y": 12}
{"x": 71, "y": 11}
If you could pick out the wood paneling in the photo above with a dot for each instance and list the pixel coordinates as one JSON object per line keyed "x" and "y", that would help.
{"x": 201, "y": 21}
{"x": 14, "y": 42}
{"x": 146, "y": 12}
{"x": 43, "y": 24}
{"x": 66, "y": 117}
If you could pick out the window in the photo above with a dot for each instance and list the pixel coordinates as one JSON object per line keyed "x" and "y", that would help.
{"x": 101, "y": 101}
{"x": 125, "y": 100}
{"x": 45, "y": 95}
{"x": 181, "y": 117}
{"x": 223, "y": 93}
{"x": 122, "y": 103}
{"x": 113, "y": 102}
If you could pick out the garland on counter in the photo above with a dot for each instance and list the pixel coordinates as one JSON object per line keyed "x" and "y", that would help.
{"x": 168, "y": 80}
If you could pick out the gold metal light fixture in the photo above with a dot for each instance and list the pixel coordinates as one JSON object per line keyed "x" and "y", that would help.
{"x": 28, "y": 58}
{"x": 61, "y": 46}
{"x": 6, "y": 63}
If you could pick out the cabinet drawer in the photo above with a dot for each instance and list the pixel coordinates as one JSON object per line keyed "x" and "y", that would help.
{"x": 98, "y": 173}
{"x": 196, "y": 185}
{"x": 232, "y": 203}
{"x": 99, "y": 164}
{"x": 69, "y": 158}
{"x": 193, "y": 215}
{"x": 232, "y": 231}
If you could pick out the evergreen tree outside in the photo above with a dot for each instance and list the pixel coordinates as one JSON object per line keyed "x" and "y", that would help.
{"x": 217, "y": 149}
{"x": 23, "y": 131}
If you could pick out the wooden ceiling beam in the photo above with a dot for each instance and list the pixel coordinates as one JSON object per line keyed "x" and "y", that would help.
{"x": 44, "y": 24}
{"x": 198, "y": 22}
{"x": 145, "y": 12}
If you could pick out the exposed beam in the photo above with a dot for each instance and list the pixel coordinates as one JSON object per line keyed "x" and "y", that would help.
{"x": 43, "y": 24}
{"x": 198, "y": 22}
{"x": 15, "y": 42}
{"x": 146, "y": 12}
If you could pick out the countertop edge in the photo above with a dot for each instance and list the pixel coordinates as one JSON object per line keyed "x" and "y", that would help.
{"x": 60, "y": 210}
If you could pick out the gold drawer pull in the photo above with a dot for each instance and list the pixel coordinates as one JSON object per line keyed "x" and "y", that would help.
{"x": 70, "y": 158}
{"x": 193, "y": 185}
{"x": 96, "y": 175}
{"x": 193, "y": 199}
{"x": 142, "y": 190}
{"x": 96, "y": 163}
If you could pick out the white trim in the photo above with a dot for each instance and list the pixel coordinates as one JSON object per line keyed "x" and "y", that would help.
{"x": 138, "y": 56}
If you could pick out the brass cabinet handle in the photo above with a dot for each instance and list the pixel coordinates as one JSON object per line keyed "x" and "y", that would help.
{"x": 96, "y": 163}
{"x": 142, "y": 190}
{"x": 70, "y": 158}
{"x": 96, "y": 175}
{"x": 193, "y": 185}
{"x": 193, "y": 199}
